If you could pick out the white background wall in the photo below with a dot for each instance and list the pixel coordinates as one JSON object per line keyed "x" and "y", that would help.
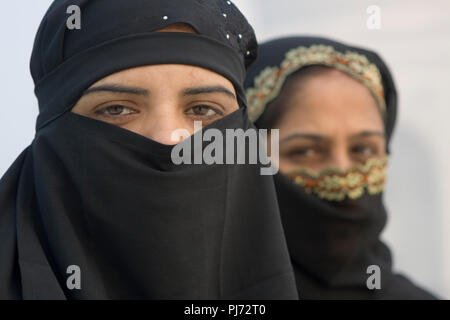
{"x": 414, "y": 39}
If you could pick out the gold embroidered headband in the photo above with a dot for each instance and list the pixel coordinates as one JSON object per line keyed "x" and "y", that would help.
{"x": 268, "y": 84}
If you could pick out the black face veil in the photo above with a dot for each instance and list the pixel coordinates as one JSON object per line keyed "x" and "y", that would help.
{"x": 89, "y": 195}
{"x": 331, "y": 243}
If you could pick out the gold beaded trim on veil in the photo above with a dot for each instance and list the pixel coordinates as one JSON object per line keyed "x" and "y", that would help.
{"x": 334, "y": 184}
{"x": 268, "y": 84}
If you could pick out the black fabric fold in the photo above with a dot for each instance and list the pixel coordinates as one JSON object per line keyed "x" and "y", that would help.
{"x": 107, "y": 200}
{"x": 332, "y": 244}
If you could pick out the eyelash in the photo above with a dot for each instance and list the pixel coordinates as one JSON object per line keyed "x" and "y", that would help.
{"x": 358, "y": 149}
{"x": 210, "y": 108}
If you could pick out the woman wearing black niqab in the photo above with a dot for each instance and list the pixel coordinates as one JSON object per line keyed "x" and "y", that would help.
{"x": 90, "y": 197}
{"x": 332, "y": 215}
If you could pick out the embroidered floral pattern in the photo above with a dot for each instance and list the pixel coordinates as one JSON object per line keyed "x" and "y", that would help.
{"x": 268, "y": 84}
{"x": 334, "y": 184}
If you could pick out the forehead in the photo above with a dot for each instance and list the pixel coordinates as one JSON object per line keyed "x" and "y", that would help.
{"x": 329, "y": 103}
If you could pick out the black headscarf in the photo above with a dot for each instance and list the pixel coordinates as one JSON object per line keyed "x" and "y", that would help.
{"x": 331, "y": 243}
{"x": 111, "y": 202}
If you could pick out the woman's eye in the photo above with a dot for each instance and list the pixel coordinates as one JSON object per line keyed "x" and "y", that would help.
{"x": 304, "y": 153}
{"x": 204, "y": 111}
{"x": 363, "y": 150}
{"x": 115, "y": 110}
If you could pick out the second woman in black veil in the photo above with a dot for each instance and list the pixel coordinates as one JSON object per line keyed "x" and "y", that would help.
{"x": 106, "y": 201}
{"x": 335, "y": 106}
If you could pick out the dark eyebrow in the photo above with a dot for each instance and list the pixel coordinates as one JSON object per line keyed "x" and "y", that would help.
{"x": 368, "y": 133}
{"x": 311, "y": 136}
{"x": 116, "y": 88}
{"x": 211, "y": 89}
